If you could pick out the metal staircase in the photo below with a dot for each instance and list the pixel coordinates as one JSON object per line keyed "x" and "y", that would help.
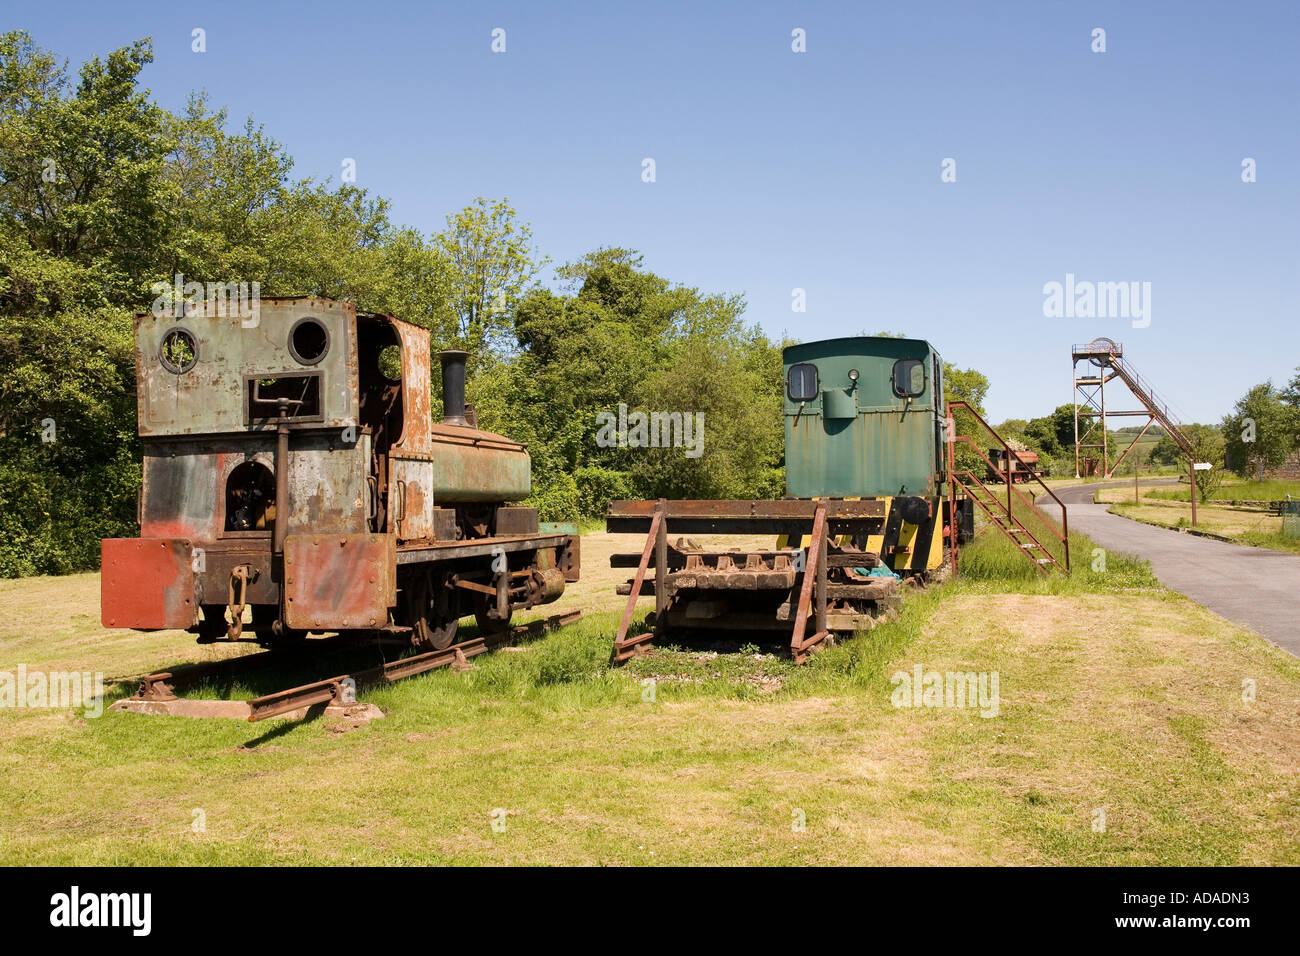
{"x": 1013, "y": 513}
{"x": 1147, "y": 396}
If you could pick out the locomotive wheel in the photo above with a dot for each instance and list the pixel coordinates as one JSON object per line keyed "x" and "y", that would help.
{"x": 482, "y": 603}
{"x": 433, "y": 612}
{"x": 434, "y": 635}
{"x": 264, "y": 616}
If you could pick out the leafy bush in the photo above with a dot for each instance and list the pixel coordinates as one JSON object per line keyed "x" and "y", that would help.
{"x": 597, "y": 487}
{"x": 556, "y": 499}
{"x": 771, "y": 484}
{"x": 51, "y": 523}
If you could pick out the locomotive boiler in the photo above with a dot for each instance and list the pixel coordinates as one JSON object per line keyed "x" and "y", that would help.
{"x": 293, "y": 476}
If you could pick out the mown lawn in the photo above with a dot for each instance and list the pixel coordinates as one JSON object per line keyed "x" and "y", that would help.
{"x": 1238, "y": 490}
{"x": 1118, "y": 702}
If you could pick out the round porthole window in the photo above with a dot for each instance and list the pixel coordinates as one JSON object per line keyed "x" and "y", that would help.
{"x": 179, "y": 351}
{"x": 309, "y": 341}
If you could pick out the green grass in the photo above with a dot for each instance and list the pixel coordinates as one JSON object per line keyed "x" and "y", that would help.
{"x": 995, "y": 562}
{"x": 575, "y": 659}
{"x": 1170, "y": 508}
{"x": 1272, "y": 490}
{"x": 1115, "y": 694}
{"x": 1273, "y": 540}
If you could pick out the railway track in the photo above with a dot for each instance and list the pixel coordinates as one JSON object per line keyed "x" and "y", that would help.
{"x": 157, "y": 692}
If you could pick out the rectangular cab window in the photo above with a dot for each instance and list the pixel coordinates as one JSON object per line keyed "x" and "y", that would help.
{"x": 909, "y": 378}
{"x": 801, "y": 382}
{"x": 300, "y": 390}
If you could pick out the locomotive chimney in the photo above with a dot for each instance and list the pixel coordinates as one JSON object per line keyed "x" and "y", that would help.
{"x": 453, "y": 386}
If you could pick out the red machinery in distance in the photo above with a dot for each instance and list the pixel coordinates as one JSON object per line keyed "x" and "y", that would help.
{"x": 1023, "y": 465}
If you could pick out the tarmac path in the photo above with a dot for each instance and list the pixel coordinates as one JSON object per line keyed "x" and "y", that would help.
{"x": 1254, "y": 587}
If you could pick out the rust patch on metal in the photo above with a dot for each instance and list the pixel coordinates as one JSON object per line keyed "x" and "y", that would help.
{"x": 473, "y": 465}
{"x": 233, "y": 348}
{"x": 339, "y": 581}
{"x": 570, "y": 559}
{"x": 147, "y": 583}
{"x": 416, "y": 397}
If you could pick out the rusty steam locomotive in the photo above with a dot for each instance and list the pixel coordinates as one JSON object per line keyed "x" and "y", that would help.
{"x": 292, "y": 471}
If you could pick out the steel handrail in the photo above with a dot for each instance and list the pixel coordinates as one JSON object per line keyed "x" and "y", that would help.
{"x": 1011, "y": 517}
{"x": 1158, "y": 407}
{"x": 1065, "y": 521}
{"x": 1014, "y": 520}
{"x": 969, "y": 441}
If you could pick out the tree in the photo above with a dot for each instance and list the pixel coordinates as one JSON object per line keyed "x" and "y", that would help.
{"x": 1207, "y": 446}
{"x": 627, "y": 336}
{"x": 492, "y": 262}
{"x": 1166, "y": 451}
{"x": 81, "y": 191}
{"x": 1261, "y": 431}
{"x": 1053, "y": 434}
{"x": 69, "y": 463}
{"x": 967, "y": 385}
{"x": 1291, "y": 394}
{"x": 728, "y": 376}
{"x": 223, "y": 187}
{"x": 81, "y": 201}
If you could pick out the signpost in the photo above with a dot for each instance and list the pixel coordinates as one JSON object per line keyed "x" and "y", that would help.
{"x": 1196, "y": 466}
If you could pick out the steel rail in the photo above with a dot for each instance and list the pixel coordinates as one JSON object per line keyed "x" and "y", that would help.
{"x": 337, "y": 689}
{"x": 161, "y": 685}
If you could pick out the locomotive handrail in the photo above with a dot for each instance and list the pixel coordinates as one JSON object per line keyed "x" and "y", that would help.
{"x": 989, "y": 428}
{"x": 257, "y": 398}
{"x": 622, "y": 647}
{"x": 814, "y": 583}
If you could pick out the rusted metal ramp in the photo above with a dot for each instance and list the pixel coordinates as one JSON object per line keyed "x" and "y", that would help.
{"x": 808, "y": 592}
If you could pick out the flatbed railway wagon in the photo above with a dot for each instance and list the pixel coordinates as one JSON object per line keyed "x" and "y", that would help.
{"x": 292, "y": 474}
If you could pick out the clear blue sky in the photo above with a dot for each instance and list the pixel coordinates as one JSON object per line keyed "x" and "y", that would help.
{"x": 819, "y": 170}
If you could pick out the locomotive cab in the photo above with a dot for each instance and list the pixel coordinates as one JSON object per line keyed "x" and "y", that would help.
{"x": 291, "y": 468}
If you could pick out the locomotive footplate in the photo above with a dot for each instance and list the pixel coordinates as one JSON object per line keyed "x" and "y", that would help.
{"x": 416, "y": 552}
